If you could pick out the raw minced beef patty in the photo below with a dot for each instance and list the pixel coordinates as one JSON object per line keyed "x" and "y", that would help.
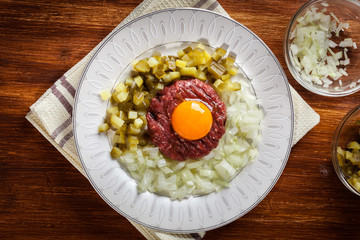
{"x": 159, "y": 119}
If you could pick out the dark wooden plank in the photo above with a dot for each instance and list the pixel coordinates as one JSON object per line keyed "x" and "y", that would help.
{"x": 43, "y": 197}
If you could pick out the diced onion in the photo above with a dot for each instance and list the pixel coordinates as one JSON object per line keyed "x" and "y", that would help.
{"x": 311, "y": 48}
{"x": 332, "y": 44}
{"x": 333, "y": 15}
{"x": 325, "y": 4}
{"x": 343, "y": 72}
{"x": 348, "y": 42}
{"x": 225, "y": 170}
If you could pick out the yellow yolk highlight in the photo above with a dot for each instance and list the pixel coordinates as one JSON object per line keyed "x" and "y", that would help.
{"x": 191, "y": 120}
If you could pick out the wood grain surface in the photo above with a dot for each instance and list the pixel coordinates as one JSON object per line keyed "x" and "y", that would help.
{"x": 42, "y": 196}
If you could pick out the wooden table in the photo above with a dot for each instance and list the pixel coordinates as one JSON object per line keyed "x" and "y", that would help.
{"x": 42, "y": 196}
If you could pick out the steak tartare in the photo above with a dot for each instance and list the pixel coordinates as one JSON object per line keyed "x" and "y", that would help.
{"x": 159, "y": 119}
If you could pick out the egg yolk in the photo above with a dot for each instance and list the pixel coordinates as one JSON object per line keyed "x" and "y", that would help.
{"x": 191, "y": 120}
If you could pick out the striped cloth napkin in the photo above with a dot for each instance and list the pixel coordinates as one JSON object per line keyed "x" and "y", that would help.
{"x": 51, "y": 114}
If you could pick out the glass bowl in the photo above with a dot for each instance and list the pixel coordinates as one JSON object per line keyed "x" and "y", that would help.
{"x": 346, "y": 11}
{"x": 345, "y": 132}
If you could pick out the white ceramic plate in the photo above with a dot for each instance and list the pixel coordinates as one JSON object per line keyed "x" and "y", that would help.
{"x": 165, "y": 30}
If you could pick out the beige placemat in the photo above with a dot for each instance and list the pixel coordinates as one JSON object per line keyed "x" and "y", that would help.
{"x": 51, "y": 114}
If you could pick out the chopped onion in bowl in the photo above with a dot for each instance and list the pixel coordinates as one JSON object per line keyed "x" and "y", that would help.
{"x": 314, "y": 52}
{"x": 348, "y": 42}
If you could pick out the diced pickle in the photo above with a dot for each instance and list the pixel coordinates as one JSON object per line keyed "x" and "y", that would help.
{"x": 216, "y": 56}
{"x": 122, "y": 115}
{"x": 355, "y": 182}
{"x": 113, "y": 110}
{"x": 138, "y": 98}
{"x": 142, "y": 66}
{"x": 156, "y": 54}
{"x": 138, "y": 80}
{"x": 209, "y": 61}
{"x": 165, "y": 67}
{"x": 122, "y": 129}
{"x": 233, "y": 71}
{"x": 115, "y": 122}
{"x": 103, "y": 127}
{"x": 174, "y": 75}
{"x": 202, "y": 67}
{"x": 105, "y": 94}
{"x": 235, "y": 86}
{"x": 171, "y": 57}
{"x": 160, "y": 73}
{"x": 199, "y": 60}
{"x": 167, "y": 78}
{"x": 162, "y": 66}
{"x": 126, "y": 106}
{"x": 132, "y": 147}
{"x": 200, "y": 46}
{"x": 135, "y": 62}
{"x": 114, "y": 97}
{"x": 171, "y": 65}
{"x": 159, "y": 86}
{"x": 341, "y": 160}
{"x": 216, "y": 70}
{"x": 129, "y": 82}
{"x": 132, "y": 130}
{"x": 150, "y": 83}
{"x": 180, "y": 53}
{"x": 190, "y": 63}
{"x": 230, "y": 60}
{"x": 121, "y": 87}
{"x": 164, "y": 59}
{"x": 188, "y": 49}
{"x": 116, "y": 152}
{"x": 201, "y": 75}
{"x": 133, "y": 140}
{"x": 349, "y": 160}
{"x": 190, "y": 54}
{"x": 143, "y": 105}
{"x": 197, "y": 53}
{"x": 221, "y": 51}
{"x": 230, "y": 86}
{"x": 141, "y": 113}
{"x": 149, "y": 77}
{"x": 143, "y": 118}
{"x": 225, "y": 77}
{"x": 217, "y": 83}
{"x": 122, "y": 96}
{"x": 153, "y": 62}
{"x": 207, "y": 56}
{"x": 180, "y": 63}
{"x": 353, "y": 145}
{"x": 120, "y": 138}
{"x": 132, "y": 115}
{"x": 185, "y": 58}
{"x": 138, "y": 123}
{"x": 188, "y": 71}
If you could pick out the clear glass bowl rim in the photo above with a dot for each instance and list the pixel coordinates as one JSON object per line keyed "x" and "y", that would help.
{"x": 291, "y": 67}
{"x": 334, "y": 145}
